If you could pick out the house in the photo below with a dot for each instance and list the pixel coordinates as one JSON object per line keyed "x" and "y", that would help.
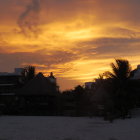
{"x": 40, "y": 85}
{"x": 9, "y": 84}
{"x": 88, "y": 85}
{"x": 39, "y": 96}
{"x": 136, "y": 73}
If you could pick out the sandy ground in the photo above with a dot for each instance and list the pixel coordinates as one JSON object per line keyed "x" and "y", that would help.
{"x": 67, "y": 128}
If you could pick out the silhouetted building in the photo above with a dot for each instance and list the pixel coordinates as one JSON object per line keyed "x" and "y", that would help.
{"x": 10, "y": 82}
{"x": 40, "y": 85}
{"x": 39, "y": 96}
{"x": 136, "y": 75}
{"x": 89, "y": 85}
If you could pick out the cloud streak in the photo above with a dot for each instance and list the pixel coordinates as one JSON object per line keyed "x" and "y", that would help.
{"x": 28, "y": 21}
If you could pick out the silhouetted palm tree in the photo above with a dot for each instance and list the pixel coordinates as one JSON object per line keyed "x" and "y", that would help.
{"x": 120, "y": 77}
{"x": 121, "y": 70}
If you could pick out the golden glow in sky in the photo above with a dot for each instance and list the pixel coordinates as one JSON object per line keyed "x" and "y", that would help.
{"x": 75, "y": 39}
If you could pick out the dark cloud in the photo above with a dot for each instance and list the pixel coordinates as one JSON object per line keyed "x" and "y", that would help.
{"x": 109, "y": 48}
{"x": 104, "y": 11}
{"x": 122, "y": 31}
{"x": 49, "y": 60}
{"x": 29, "y": 20}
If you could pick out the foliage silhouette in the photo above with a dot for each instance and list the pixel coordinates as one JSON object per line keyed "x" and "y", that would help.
{"x": 120, "y": 81}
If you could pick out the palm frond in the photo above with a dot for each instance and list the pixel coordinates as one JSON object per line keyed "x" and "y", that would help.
{"x": 121, "y": 69}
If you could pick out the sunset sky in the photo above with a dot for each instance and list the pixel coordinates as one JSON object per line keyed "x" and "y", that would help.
{"x": 75, "y": 39}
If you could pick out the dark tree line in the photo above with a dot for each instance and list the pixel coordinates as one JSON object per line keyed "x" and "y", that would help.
{"x": 120, "y": 82}
{"x": 114, "y": 93}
